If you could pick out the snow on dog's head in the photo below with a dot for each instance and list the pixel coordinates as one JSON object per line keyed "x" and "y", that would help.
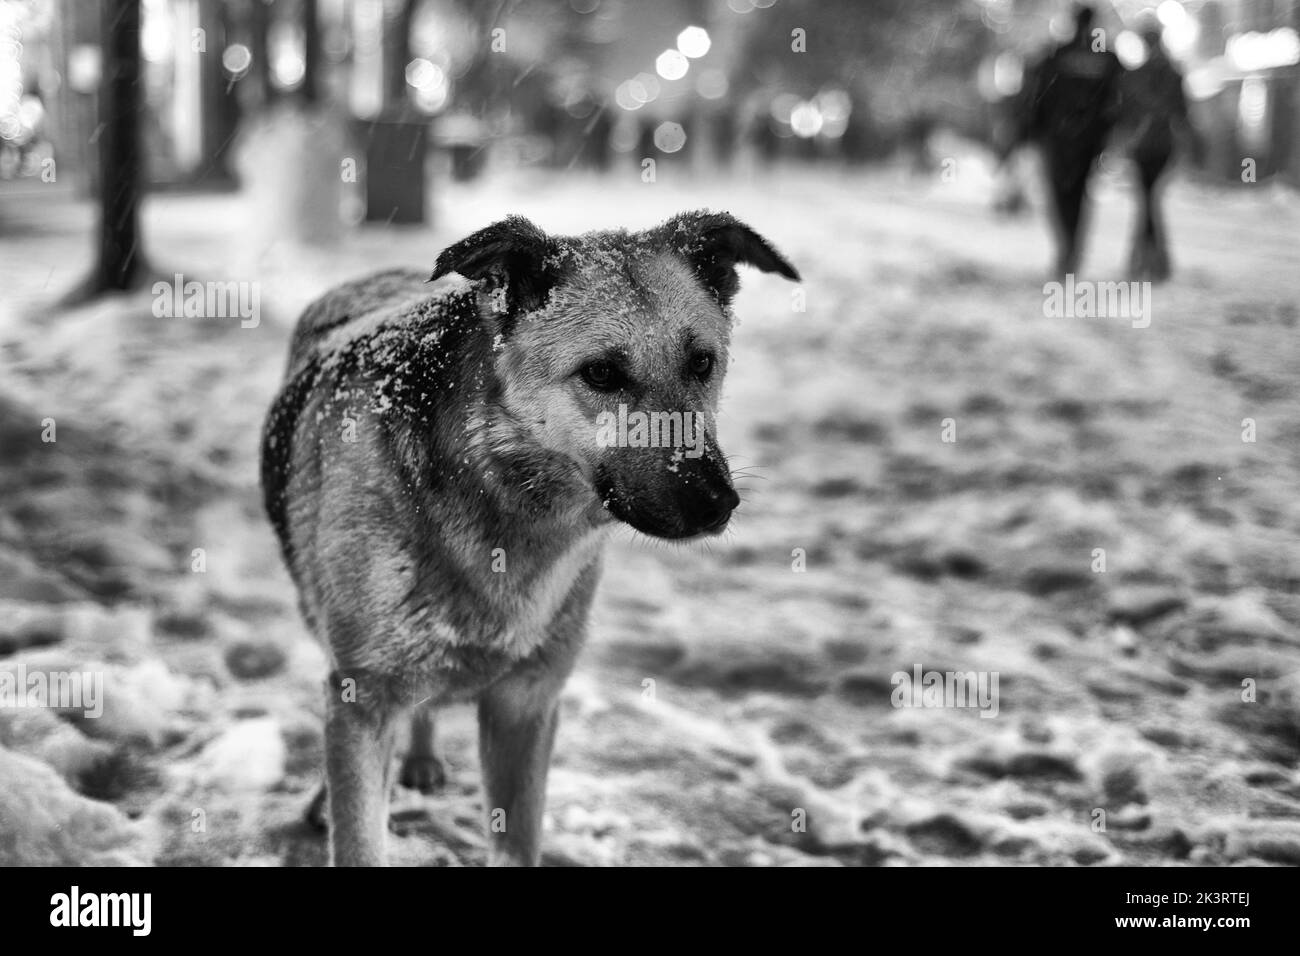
{"x": 612, "y": 347}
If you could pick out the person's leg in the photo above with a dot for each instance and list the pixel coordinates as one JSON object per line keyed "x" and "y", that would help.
{"x": 1158, "y": 239}
{"x": 1068, "y": 177}
{"x": 1139, "y": 262}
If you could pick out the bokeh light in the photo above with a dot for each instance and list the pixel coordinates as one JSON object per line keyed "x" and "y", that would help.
{"x": 1130, "y": 49}
{"x": 782, "y": 105}
{"x": 85, "y": 64}
{"x": 834, "y": 105}
{"x": 288, "y": 68}
{"x": 669, "y": 137}
{"x": 671, "y": 65}
{"x": 1263, "y": 51}
{"x": 156, "y": 27}
{"x": 288, "y": 64}
{"x": 429, "y": 81}
{"x": 236, "y": 59}
{"x": 1008, "y": 74}
{"x": 1181, "y": 30}
{"x": 806, "y": 120}
{"x": 645, "y": 86}
{"x": 694, "y": 42}
{"x": 1253, "y": 103}
{"x": 421, "y": 73}
{"x": 624, "y": 98}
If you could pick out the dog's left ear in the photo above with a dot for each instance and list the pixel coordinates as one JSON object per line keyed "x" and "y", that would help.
{"x": 515, "y": 261}
{"x": 714, "y": 243}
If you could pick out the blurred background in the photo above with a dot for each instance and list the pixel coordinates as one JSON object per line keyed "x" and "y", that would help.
{"x": 932, "y": 464}
{"x": 702, "y": 85}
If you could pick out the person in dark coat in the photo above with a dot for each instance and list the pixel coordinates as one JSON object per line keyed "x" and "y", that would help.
{"x": 1069, "y": 106}
{"x": 1154, "y": 117}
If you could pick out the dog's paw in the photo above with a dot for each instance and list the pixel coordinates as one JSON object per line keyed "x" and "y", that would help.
{"x": 423, "y": 773}
{"x": 315, "y": 816}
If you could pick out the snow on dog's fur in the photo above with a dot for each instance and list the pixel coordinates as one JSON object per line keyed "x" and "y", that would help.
{"x": 433, "y": 471}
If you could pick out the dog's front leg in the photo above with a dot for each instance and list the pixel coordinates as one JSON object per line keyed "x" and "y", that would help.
{"x": 357, "y": 753}
{"x": 517, "y": 718}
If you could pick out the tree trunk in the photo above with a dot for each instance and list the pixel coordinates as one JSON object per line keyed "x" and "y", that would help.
{"x": 120, "y": 262}
{"x": 481, "y": 84}
{"x": 260, "y": 24}
{"x": 310, "y": 89}
{"x": 397, "y": 54}
{"x": 220, "y": 110}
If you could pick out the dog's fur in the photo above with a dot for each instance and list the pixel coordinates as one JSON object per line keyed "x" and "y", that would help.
{"x": 432, "y": 471}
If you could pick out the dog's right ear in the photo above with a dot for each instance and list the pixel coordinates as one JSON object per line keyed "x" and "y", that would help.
{"x": 714, "y": 243}
{"x": 515, "y": 261}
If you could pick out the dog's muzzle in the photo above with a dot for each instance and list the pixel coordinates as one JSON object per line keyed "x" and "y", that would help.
{"x": 668, "y": 499}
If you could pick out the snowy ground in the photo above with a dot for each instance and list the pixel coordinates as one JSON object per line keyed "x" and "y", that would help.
{"x": 1120, "y": 692}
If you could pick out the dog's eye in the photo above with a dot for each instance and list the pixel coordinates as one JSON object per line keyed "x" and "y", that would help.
{"x": 602, "y": 376}
{"x": 702, "y": 365}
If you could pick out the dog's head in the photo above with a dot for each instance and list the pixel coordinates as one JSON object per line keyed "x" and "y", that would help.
{"x": 611, "y": 348}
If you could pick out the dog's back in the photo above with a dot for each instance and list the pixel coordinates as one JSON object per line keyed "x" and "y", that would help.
{"x": 383, "y": 292}
{"x": 335, "y": 314}
{"x": 341, "y": 343}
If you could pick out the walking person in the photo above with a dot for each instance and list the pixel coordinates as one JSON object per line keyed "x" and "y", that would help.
{"x": 1155, "y": 115}
{"x": 1070, "y": 104}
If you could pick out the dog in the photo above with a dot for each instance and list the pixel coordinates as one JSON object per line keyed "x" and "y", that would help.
{"x": 441, "y": 491}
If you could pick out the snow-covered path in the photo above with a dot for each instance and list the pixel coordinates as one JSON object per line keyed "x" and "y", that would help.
{"x": 730, "y": 709}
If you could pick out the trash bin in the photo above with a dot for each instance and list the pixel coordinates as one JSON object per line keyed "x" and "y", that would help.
{"x": 395, "y": 153}
{"x": 465, "y": 139}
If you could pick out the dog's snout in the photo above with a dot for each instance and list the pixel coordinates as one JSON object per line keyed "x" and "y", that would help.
{"x": 709, "y": 508}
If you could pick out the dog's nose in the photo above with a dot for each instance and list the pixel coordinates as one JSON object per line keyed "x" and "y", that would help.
{"x": 709, "y": 509}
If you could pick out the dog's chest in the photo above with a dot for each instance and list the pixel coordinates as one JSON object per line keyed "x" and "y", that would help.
{"x": 532, "y": 605}
{"x": 471, "y": 630}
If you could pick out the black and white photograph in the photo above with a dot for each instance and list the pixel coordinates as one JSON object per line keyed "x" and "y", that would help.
{"x": 651, "y": 433}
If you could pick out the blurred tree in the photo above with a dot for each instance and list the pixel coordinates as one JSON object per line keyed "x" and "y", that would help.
{"x": 535, "y": 67}
{"x": 120, "y": 262}
{"x": 259, "y": 71}
{"x": 397, "y": 52}
{"x": 219, "y": 113}
{"x": 260, "y": 28}
{"x": 311, "y": 52}
{"x": 910, "y": 63}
